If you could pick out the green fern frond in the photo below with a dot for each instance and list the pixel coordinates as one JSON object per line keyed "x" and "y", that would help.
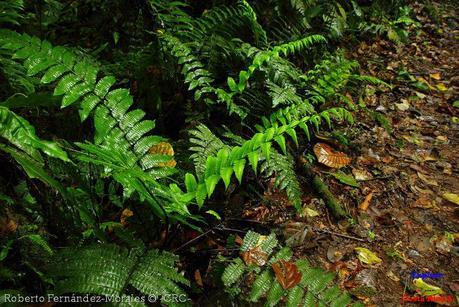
{"x": 286, "y": 179}
{"x": 204, "y": 144}
{"x": 198, "y": 78}
{"x": 76, "y": 79}
{"x": 283, "y": 95}
{"x": 21, "y": 134}
{"x": 314, "y": 289}
{"x": 262, "y": 57}
{"x": 233, "y": 273}
{"x": 225, "y": 21}
{"x": 10, "y": 11}
{"x": 109, "y": 270}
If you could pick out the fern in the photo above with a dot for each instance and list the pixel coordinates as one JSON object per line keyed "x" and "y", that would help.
{"x": 109, "y": 270}
{"x": 197, "y": 76}
{"x": 262, "y": 57}
{"x": 18, "y": 131}
{"x": 205, "y": 144}
{"x": 10, "y": 11}
{"x": 314, "y": 289}
{"x": 286, "y": 178}
{"x": 76, "y": 80}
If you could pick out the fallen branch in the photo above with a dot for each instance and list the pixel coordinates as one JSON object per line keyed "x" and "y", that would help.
{"x": 322, "y": 189}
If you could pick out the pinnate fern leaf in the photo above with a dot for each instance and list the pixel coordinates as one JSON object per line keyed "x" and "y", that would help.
{"x": 110, "y": 270}
{"x": 314, "y": 289}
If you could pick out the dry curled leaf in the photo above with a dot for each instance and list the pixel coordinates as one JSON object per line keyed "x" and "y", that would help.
{"x": 163, "y": 148}
{"x": 255, "y": 256}
{"x": 296, "y": 234}
{"x": 125, "y": 215}
{"x": 287, "y": 274}
{"x": 331, "y": 158}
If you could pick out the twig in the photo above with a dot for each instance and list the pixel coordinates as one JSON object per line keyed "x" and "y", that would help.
{"x": 340, "y": 234}
{"x": 194, "y": 239}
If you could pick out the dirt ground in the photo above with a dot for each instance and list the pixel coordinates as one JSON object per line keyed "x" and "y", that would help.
{"x": 408, "y": 223}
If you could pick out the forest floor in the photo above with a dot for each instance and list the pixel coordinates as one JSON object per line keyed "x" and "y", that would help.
{"x": 405, "y": 209}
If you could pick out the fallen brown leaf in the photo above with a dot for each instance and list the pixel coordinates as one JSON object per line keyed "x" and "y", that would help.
{"x": 255, "y": 256}
{"x": 329, "y": 157}
{"x": 287, "y": 274}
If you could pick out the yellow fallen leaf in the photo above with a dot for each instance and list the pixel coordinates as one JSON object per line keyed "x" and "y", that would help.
{"x": 310, "y": 212}
{"x": 435, "y": 76}
{"x": 454, "y": 198}
{"x": 366, "y": 256}
{"x": 441, "y": 87}
{"x": 426, "y": 289}
{"x": 421, "y": 79}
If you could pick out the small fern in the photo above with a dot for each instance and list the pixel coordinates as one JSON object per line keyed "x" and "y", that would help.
{"x": 315, "y": 288}
{"x": 110, "y": 270}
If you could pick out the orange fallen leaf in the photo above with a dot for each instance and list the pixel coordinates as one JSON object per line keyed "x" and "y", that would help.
{"x": 287, "y": 274}
{"x": 331, "y": 158}
{"x": 163, "y": 148}
{"x": 366, "y": 202}
{"x": 198, "y": 278}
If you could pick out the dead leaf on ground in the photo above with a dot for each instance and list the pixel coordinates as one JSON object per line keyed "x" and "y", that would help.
{"x": 255, "y": 256}
{"x": 435, "y": 76}
{"x": 287, "y": 274}
{"x": 366, "y": 256}
{"x": 329, "y": 157}
{"x": 451, "y": 197}
{"x": 198, "y": 278}
{"x": 238, "y": 240}
{"x": 427, "y": 180}
{"x": 366, "y": 202}
{"x": 361, "y": 174}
